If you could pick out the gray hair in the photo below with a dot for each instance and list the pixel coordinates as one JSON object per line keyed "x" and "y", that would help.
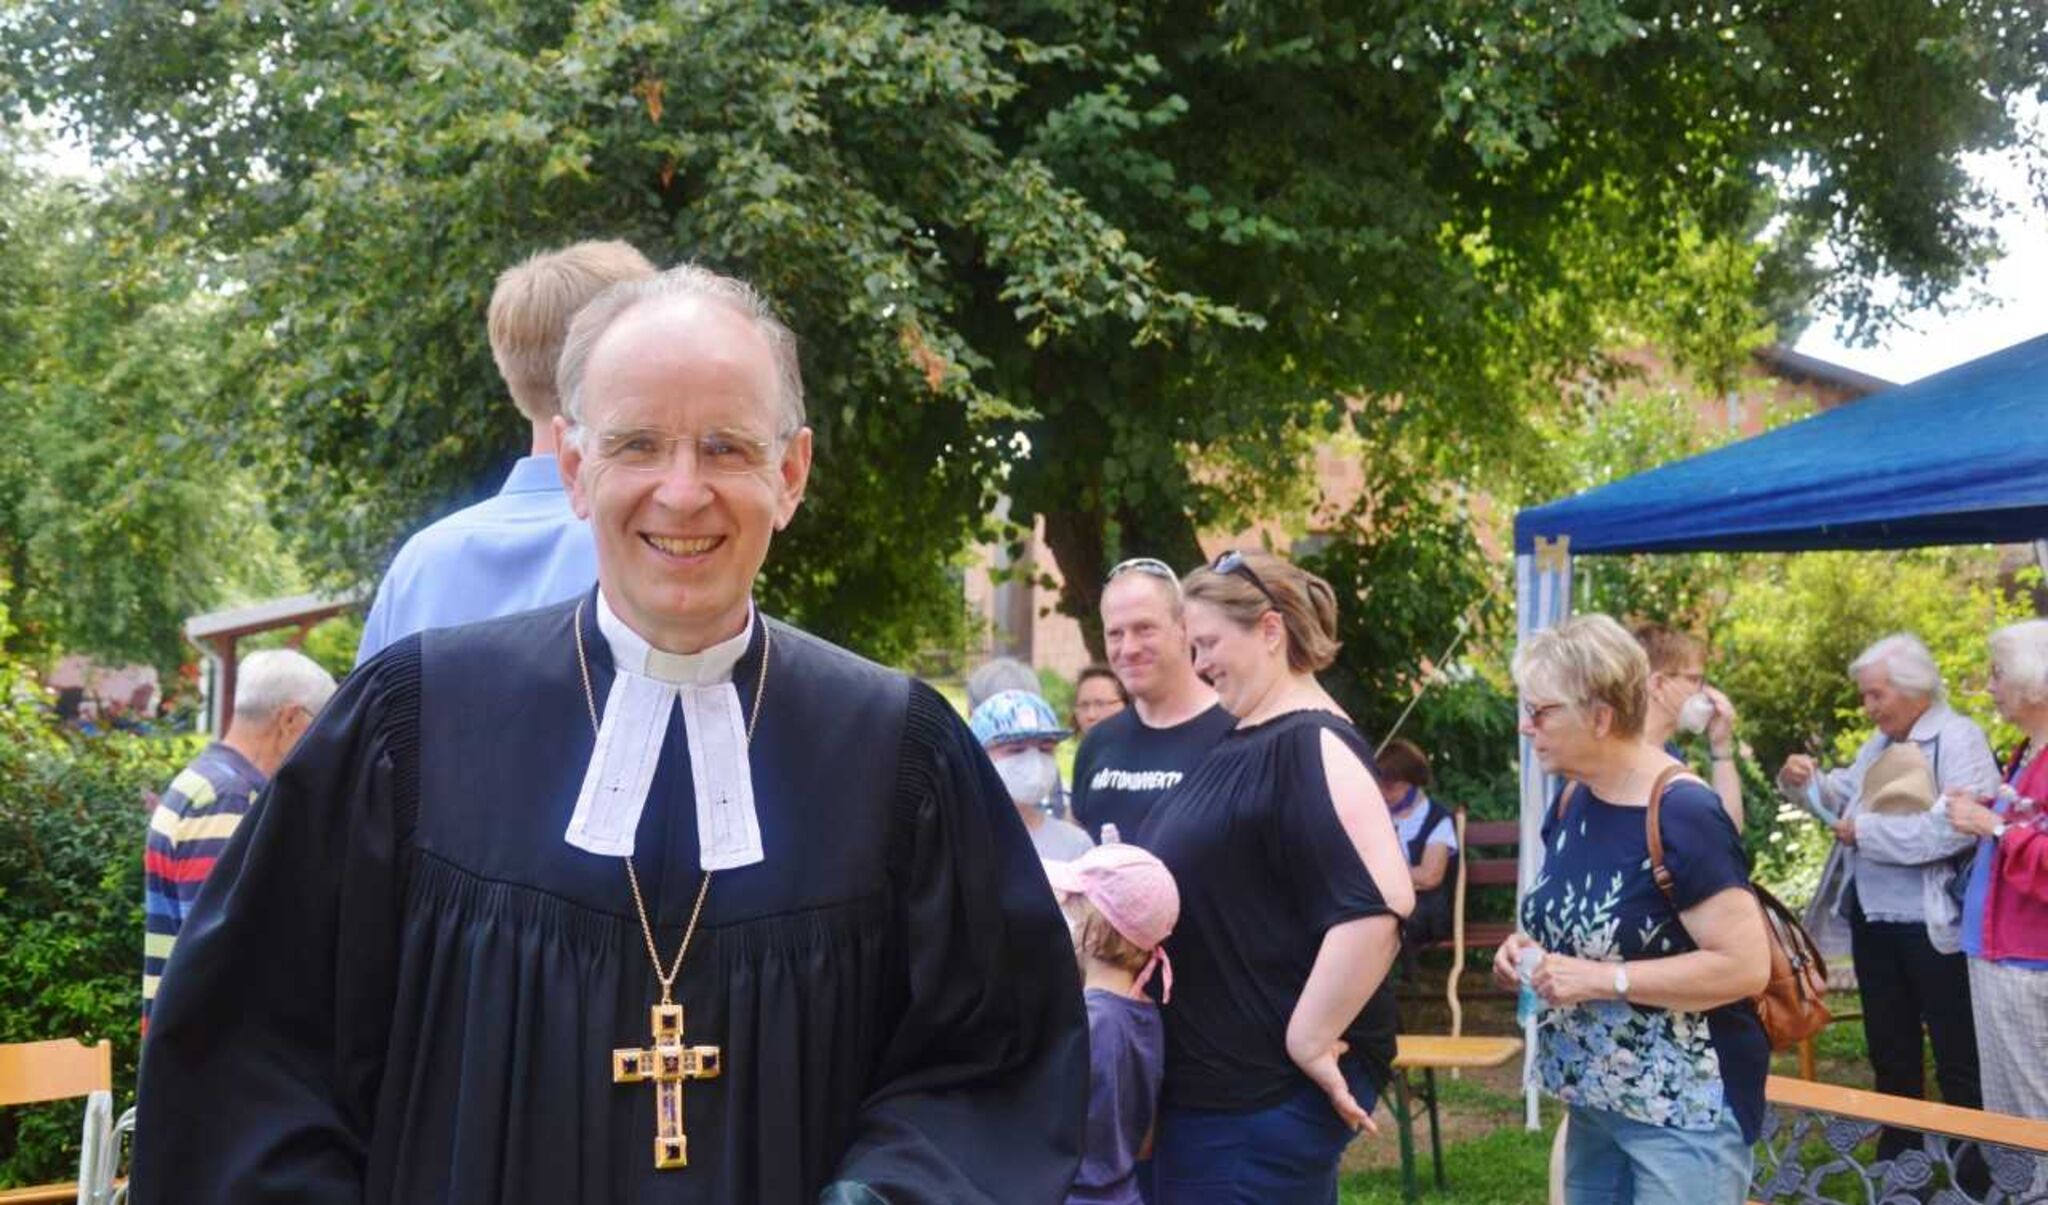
{"x": 994, "y": 676}
{"x": 682, "y": 281}
{"x": 270, "y": 681}
{"x": 1906, "y": 664}
{"x": 2020, "y": 651}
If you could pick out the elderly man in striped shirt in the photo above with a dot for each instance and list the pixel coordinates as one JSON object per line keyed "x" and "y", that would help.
{"x": 277, "y": 694}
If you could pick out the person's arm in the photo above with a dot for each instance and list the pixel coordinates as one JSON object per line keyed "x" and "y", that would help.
{"x": 1349, "y": 968}
{"x": 1967, "y": 761}
{"x": 1355, "y": 953}
{"x": 2022, "y": 863}
{"x": 1727, "y": 779}
{"x": 1362, "y": 810}
{"x": 266, "y": 1043}
{"x": 1429, "y": 873}
{"x": 979, "y": 1093}
{"x": 1910, "y": 840}
{"x": 1732, "y": 963}
{"x": 163, "y": 912}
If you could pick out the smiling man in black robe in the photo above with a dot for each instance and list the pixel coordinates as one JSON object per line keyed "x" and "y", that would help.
{"x": 640, "y": 898}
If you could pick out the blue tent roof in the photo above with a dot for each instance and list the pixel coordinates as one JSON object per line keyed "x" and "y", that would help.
{"x": 1956, "y": 458}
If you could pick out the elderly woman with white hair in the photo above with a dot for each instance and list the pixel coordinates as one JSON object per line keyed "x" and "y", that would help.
{"x": 1888, "y": 874}
{"x": 2005, "y": 904}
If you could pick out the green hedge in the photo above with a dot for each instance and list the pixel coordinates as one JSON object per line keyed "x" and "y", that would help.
{"x": 72, "y": 823}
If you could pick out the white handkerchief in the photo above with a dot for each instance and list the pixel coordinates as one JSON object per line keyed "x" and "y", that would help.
{"x": 622, "y": 765}
{"x": 728, "y": 828}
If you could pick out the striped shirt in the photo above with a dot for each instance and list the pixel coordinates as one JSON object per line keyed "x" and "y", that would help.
{"x": 190, "y": 828}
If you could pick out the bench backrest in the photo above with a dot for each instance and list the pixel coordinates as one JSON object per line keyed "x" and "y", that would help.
{"x": 38, "y": 1071}
{"x": 1491, "y": 834}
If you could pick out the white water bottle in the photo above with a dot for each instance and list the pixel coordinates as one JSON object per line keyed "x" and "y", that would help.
{"x": 1528, "y": 1005}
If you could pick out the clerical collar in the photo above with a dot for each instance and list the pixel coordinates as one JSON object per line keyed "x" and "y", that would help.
{"x": 647, "y": 688}
{"x": 631, "y": 652}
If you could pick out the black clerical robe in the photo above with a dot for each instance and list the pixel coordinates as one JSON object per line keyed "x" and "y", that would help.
{"x": 402, "y": 985}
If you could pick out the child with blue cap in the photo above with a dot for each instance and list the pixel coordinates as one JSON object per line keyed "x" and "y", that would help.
{"x": 1019, "y": 731}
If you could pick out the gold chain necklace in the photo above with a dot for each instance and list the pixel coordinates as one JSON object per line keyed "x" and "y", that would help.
{"x": 667, "y": 978}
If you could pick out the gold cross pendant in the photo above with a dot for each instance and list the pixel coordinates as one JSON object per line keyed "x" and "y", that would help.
{"x": 668, "y": 1063}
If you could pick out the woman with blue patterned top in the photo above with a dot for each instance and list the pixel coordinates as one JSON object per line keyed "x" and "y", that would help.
{"x": 1648, "y": 1034}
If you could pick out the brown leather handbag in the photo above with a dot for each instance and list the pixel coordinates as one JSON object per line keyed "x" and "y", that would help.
{"x": 1793, "y": 1006}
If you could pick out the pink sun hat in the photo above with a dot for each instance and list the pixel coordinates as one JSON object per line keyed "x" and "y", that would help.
{"x": 1134, "y": 892}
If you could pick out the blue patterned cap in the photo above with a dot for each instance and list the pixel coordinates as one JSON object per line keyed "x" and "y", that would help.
{"x": 1015, "y": 715}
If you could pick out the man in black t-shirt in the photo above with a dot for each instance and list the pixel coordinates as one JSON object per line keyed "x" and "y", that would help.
{"x": 1129, "y": 760}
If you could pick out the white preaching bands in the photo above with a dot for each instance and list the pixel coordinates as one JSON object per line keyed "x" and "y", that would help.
{"x": 646, "y": 685}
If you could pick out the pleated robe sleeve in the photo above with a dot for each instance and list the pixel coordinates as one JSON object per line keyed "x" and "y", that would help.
{"x": 262, "y": 1065}
{"x": 981, "y": 1091}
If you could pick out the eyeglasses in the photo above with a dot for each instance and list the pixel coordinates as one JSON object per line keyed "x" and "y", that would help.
{"x": 647, "y": 450}
{"x": 1148, "y": 565}
{"x": 1539, "y": 712}
{"x": 1234, "y": 562}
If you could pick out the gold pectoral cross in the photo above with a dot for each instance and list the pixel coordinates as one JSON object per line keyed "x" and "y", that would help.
{"x": 668, "y": 1063}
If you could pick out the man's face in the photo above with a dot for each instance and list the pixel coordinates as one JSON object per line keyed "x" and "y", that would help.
{"x": 1891, "y": 709}
{"x": 1147, "y": 646}
{"x": 679, "y": 470}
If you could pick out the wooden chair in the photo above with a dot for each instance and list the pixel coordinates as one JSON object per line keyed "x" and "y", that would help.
{"x": 1428, "y": 1054}
{"x": 35, "y": 1072}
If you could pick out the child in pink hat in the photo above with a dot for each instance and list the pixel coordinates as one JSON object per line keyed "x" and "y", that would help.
{"x": 1121, "y": 903}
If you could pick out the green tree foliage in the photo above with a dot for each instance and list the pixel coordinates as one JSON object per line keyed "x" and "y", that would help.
{"x": 117, "y": 519}
{"x": 72, "y": 823}
{"x": 1140, "y": 237}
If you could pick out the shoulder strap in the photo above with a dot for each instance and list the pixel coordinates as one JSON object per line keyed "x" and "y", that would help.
{"x": 1653, "y": 830}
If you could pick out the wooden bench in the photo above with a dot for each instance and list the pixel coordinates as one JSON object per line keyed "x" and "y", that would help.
{"x": 1825, "y": 1106}
{"x": 37, "y": 1072}
{"x": 1429, "y": 1053}
{"x": 1477, "y": 872}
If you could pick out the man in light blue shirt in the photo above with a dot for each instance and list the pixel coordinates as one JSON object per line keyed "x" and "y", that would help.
{"x": 525, "y": 547}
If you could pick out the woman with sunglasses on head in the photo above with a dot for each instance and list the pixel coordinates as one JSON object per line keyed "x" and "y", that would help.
{"x": 1648, "y": 1034}
{"x": 1281, "y": 1034}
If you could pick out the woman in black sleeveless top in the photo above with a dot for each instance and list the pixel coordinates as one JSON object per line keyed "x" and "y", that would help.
{"x": 1280, "y": 1033}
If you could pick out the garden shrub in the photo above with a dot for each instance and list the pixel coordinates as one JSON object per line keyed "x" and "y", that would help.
{"x": 72, "y": 823}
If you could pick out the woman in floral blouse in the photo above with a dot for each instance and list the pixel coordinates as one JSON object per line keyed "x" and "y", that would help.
{"x": 1648, "y": 1035}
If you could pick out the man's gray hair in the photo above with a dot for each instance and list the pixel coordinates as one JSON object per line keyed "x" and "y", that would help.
{"x": 274, "y": 679}
{"x": 682, "y": 281}
{"x": 1906, "y": 664}
{"x": 2020, "y": 653}
{"x": 996, "y": 675}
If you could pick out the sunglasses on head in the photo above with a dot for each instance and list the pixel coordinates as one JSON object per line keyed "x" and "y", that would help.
{"x": 1233, "y": 562}
{"x": 1148, "y": 565}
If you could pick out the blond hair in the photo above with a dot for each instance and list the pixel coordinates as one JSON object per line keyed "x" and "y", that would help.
{"x": 1306, "y": 604}
{"x": 1588, "y": 659}
{"x": 533, "y": 305}
{"x": 1098, "y": 939}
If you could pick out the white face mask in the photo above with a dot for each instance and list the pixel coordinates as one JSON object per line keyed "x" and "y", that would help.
{"x": 1030, "y": 775}
{"x": 1696, "y": 713}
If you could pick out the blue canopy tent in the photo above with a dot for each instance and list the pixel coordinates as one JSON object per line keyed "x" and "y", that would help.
{"x": 1956, "y": 458}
